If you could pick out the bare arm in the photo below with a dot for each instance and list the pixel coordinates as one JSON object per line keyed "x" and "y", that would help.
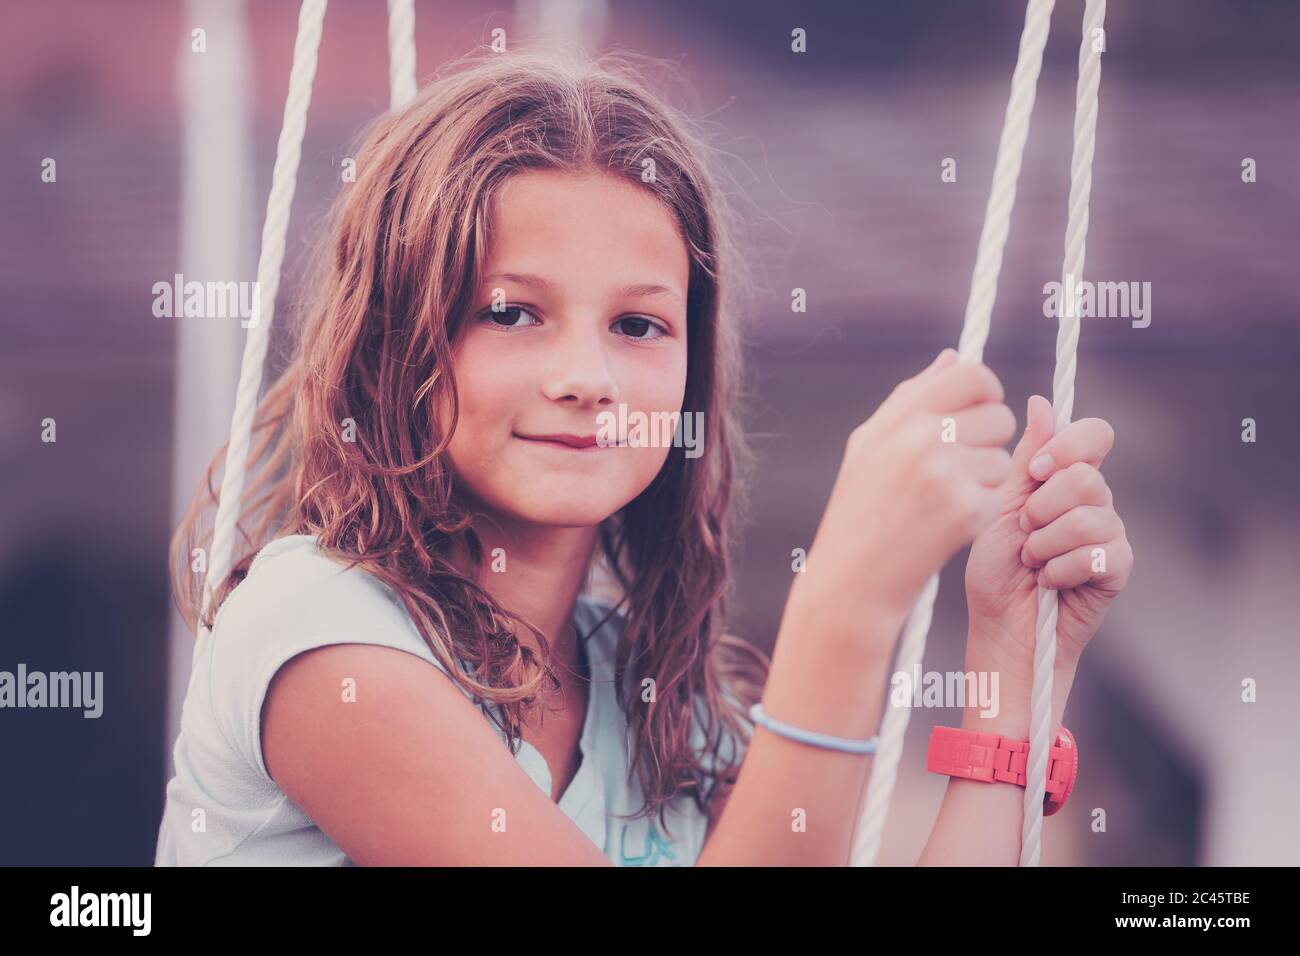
{"x": 410, "y": 774}
{"x": 794, "y": 804}
{"x": 979, "y": 823}
{"x": 904, "y": 500}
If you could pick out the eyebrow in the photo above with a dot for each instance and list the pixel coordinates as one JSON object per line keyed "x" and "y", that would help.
{"x": 636, "y": 289}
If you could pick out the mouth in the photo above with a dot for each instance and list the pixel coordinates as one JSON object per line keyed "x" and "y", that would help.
{"x": 578, "y": 443}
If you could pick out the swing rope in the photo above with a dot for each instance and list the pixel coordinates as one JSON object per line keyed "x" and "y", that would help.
{"x": 401, "y": 52}
{"x": 975, "y": 330}
{"x": 1067, "y": 344}
{"x": 284, "y": 178}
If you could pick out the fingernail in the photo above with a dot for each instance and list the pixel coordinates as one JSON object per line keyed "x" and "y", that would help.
{"x": 1024, "y": 559}
{"x": 1041, "y": 467}
{"x": 1024, "y": 522}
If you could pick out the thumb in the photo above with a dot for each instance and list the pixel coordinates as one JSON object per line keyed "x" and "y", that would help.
{"x": 1038, "y": 429}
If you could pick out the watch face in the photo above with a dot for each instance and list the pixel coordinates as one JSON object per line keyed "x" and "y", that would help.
{"x": 1067, "y": 750}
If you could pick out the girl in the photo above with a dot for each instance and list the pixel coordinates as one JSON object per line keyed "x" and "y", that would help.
{"x": 533, "y": 249}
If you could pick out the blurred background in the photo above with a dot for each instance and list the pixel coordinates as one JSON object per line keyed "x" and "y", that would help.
{"x": 164, "y": 158}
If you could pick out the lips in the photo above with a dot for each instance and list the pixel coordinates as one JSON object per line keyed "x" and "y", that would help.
{"x": 569, "y": 441}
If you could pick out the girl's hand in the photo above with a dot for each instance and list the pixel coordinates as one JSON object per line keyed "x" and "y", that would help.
{"x": 1054, "y": 517}
{"x": 918, "y": 481}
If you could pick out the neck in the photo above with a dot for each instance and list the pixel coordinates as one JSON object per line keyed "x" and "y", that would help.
{"x": 545, "y": 570}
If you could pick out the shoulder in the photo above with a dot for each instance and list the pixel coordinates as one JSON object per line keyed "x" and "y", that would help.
{"x": 293, "y": 584}
{"x": 405, "y": 740}
{"x": 295, "y": 598}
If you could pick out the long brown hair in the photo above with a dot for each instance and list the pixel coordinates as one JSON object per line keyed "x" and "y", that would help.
{"x": 391, "y": 285}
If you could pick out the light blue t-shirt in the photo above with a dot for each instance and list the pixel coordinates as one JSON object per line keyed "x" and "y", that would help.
{"x": 296, "y": 598}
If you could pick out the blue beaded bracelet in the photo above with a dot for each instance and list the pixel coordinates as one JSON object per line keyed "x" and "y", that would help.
{"x": 847, "y": 744}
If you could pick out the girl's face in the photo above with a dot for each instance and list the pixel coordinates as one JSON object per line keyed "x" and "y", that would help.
{"x": 590, "y": 274}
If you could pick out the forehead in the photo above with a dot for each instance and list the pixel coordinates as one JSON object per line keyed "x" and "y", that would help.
{"x": 586, "y": 225}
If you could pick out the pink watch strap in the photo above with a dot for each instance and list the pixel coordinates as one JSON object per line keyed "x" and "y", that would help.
{"x": 993, "y": 758}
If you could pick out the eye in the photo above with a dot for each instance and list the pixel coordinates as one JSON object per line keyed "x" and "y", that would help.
{"x": 641, "y": 327}
{"x": 509, "y": 315}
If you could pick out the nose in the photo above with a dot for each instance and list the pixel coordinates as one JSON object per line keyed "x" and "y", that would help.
{"x": 578, "y": 371}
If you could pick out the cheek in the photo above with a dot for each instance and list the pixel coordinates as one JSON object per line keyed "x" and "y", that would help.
{"x": 488, "y": 387}
{"x": 656, "y": 382}
{"x": 653, "y": 386}
{"x": 498, "y": 390}
{"x": 486, "y": 378}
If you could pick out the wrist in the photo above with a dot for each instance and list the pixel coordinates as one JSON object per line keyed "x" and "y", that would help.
{"x": 994, "y": 646}
{"x": 878, "y": 582}
{"x": 1013, "y": 724}
{"x": 969, "y": 756}
{"x": 827, "y": 669}
{"x": 860, "y": 628}
{"x": 1013, "y": 682}
{"x": 1011, "y": 643}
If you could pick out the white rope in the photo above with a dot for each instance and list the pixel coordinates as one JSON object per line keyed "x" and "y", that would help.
{"x": 401, "y": 52}
{"x": 1067, "y": 342}
{"x": 1006, "y": 173}
{"x": 284, "y": 179}
{"x": 288, "y": 153}
{"x": 282, "y": 184}
{"x": 975, "y": 330}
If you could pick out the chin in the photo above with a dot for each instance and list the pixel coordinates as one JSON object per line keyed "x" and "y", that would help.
{"x": 572, "y": 507}
{"x": 567, "y": 514}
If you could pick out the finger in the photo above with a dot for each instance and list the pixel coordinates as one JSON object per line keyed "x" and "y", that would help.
{"x": 941, "y": 361}
{"x": 1103, "y": 566}
{"x": 1088, "y": 439}
{"x": 988, "y": 466}
{"x": 913, "y": 386}
{"x": 1085, "y": 524}
{"x": 1038, "y": 431}
{"x": 989, "y": 424}
{"x": 1079, "y": 484}
{"x": 959, "y": 386}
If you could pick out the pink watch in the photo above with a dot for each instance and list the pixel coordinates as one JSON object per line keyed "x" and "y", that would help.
{"x": 992, "y": 758}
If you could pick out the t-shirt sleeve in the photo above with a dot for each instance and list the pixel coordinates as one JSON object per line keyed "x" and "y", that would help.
{"x": 290, "y": 603}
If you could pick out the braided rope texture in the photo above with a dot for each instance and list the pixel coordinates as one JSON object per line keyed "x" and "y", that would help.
{"x": 401, "y": 52}
{"x": 1067, "y": 343}
{"x": 284, "y": 178}
{"x": 975, "y": 332}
